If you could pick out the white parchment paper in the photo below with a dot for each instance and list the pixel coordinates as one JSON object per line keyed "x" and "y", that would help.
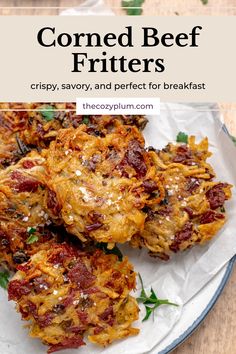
{"x": 179, "y": 279}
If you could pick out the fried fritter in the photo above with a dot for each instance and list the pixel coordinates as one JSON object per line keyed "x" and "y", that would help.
{"x": 102, "y": 183}
{"x": 34, "y": 125}
{"x": 22, "y": 127}
{"x": 65, "y": 293}
{"x": 192, "y": 211}
{"x": 25, "y": 225}
{"x": 10, "y": 124}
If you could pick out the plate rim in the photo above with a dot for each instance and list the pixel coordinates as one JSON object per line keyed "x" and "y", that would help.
{"x": 189, "y": 331}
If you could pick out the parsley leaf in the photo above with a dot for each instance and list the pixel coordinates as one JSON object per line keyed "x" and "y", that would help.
{"x": 133, "y": 7}
{"x": 143, "y": 294}
{"x": 32, "y": 239}
{"x": 85, "y": 120}
{"x": 115, "y": 250}
{"x": 4, "y": 279}
{"x": 204, "y": 2}
{"x": 31, "y": 230}
{"x": 234, "y": 139}
{"x": 148, "y": 313}
{"x": 48, "y": 113}
{"x": 182, "y": 138}
{"x": 151, "y": 300}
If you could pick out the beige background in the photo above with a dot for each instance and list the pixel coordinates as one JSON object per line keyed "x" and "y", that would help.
{"x": 217, "y": 333}
{"x": 214, "y": 67}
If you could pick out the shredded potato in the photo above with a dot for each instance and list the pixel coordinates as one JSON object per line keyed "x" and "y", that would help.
{"x": 69, "y": 182}
{"x": 102, "y": 183}
{"x": 24, "y": 126}
{"x": 192, "y": 211}
{"x": 65, "y": 292}
{"x": 23, "y": 211}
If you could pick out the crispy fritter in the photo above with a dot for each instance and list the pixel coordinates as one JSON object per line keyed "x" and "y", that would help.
{"x": 25, "y": 225}
{"x": 20, "y": 130}
{"x": 34, "y": 125}
{"x": 10, "y": 124}
{"x": 192, "y": 211}
{"x": 65, "y": 293}
{"x": 102, "y": 183}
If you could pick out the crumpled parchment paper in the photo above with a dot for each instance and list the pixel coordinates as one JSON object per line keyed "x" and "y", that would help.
{"x": 185, "y": 274}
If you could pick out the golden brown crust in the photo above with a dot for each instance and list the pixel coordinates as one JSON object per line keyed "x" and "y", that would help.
{"x": 65, "y": 293}
{"x": 102, "y": 183}
{"x": 25, "y": 126}
{"x": 192, "y": 211}
{"x": 98, "y": 181}
{"x": 23, "y": 211}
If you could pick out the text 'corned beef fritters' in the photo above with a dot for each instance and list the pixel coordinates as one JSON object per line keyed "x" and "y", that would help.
{"x": 192, "y": 211}
{"x": 102, "y": 183}
{"x": 66, "y": 293}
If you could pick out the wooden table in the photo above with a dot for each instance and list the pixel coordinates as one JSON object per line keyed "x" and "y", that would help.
{"x": 217, "y": 334}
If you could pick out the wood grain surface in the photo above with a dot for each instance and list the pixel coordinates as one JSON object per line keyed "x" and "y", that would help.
{"x": 217, "y": 334}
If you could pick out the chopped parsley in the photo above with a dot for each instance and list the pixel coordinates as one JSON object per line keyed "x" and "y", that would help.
{"x": 133, "y": 7}
{"x": 32, "y": 237}
{"x": 182, "y": 138}
{"x": 222, "y": 209}
{"x": 48, "y": 113}
{"x": 85, "y": 120}
{"x": 233, "y": 139}
{"x": 204, "y": 2}
{"x": 115, "y": 250}
{"x": 4, "y": 279}
{"x": 31, "y": 230}
{"x": 151, "y": 300}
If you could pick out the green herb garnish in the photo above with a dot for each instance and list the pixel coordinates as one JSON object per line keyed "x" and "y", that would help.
{"x": 48, "y": 113}
{"x": 133, "y": 7}
{"x": 182, "y": 138}
{"x": 31, "y": 230}
{"x": 222, "y": 209}
{"x": 234, "y": 139}
{"x": 4, "y": 279}
{"x": 115, "y": 250}
{"x": 151, "y": 300}
{"x": 85, "y": 120}
{"x": 204, "y": 2}
{"x": 32, "y": 237}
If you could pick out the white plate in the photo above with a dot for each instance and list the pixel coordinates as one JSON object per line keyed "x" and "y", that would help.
{"x": 179, "y": 277}
{"x": 195, "y": 311}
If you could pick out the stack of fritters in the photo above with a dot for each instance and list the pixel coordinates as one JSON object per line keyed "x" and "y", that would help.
{"x": 68, "y": 183}
{"x": 30, "y": 212}
{"x": 24, "y": 126}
